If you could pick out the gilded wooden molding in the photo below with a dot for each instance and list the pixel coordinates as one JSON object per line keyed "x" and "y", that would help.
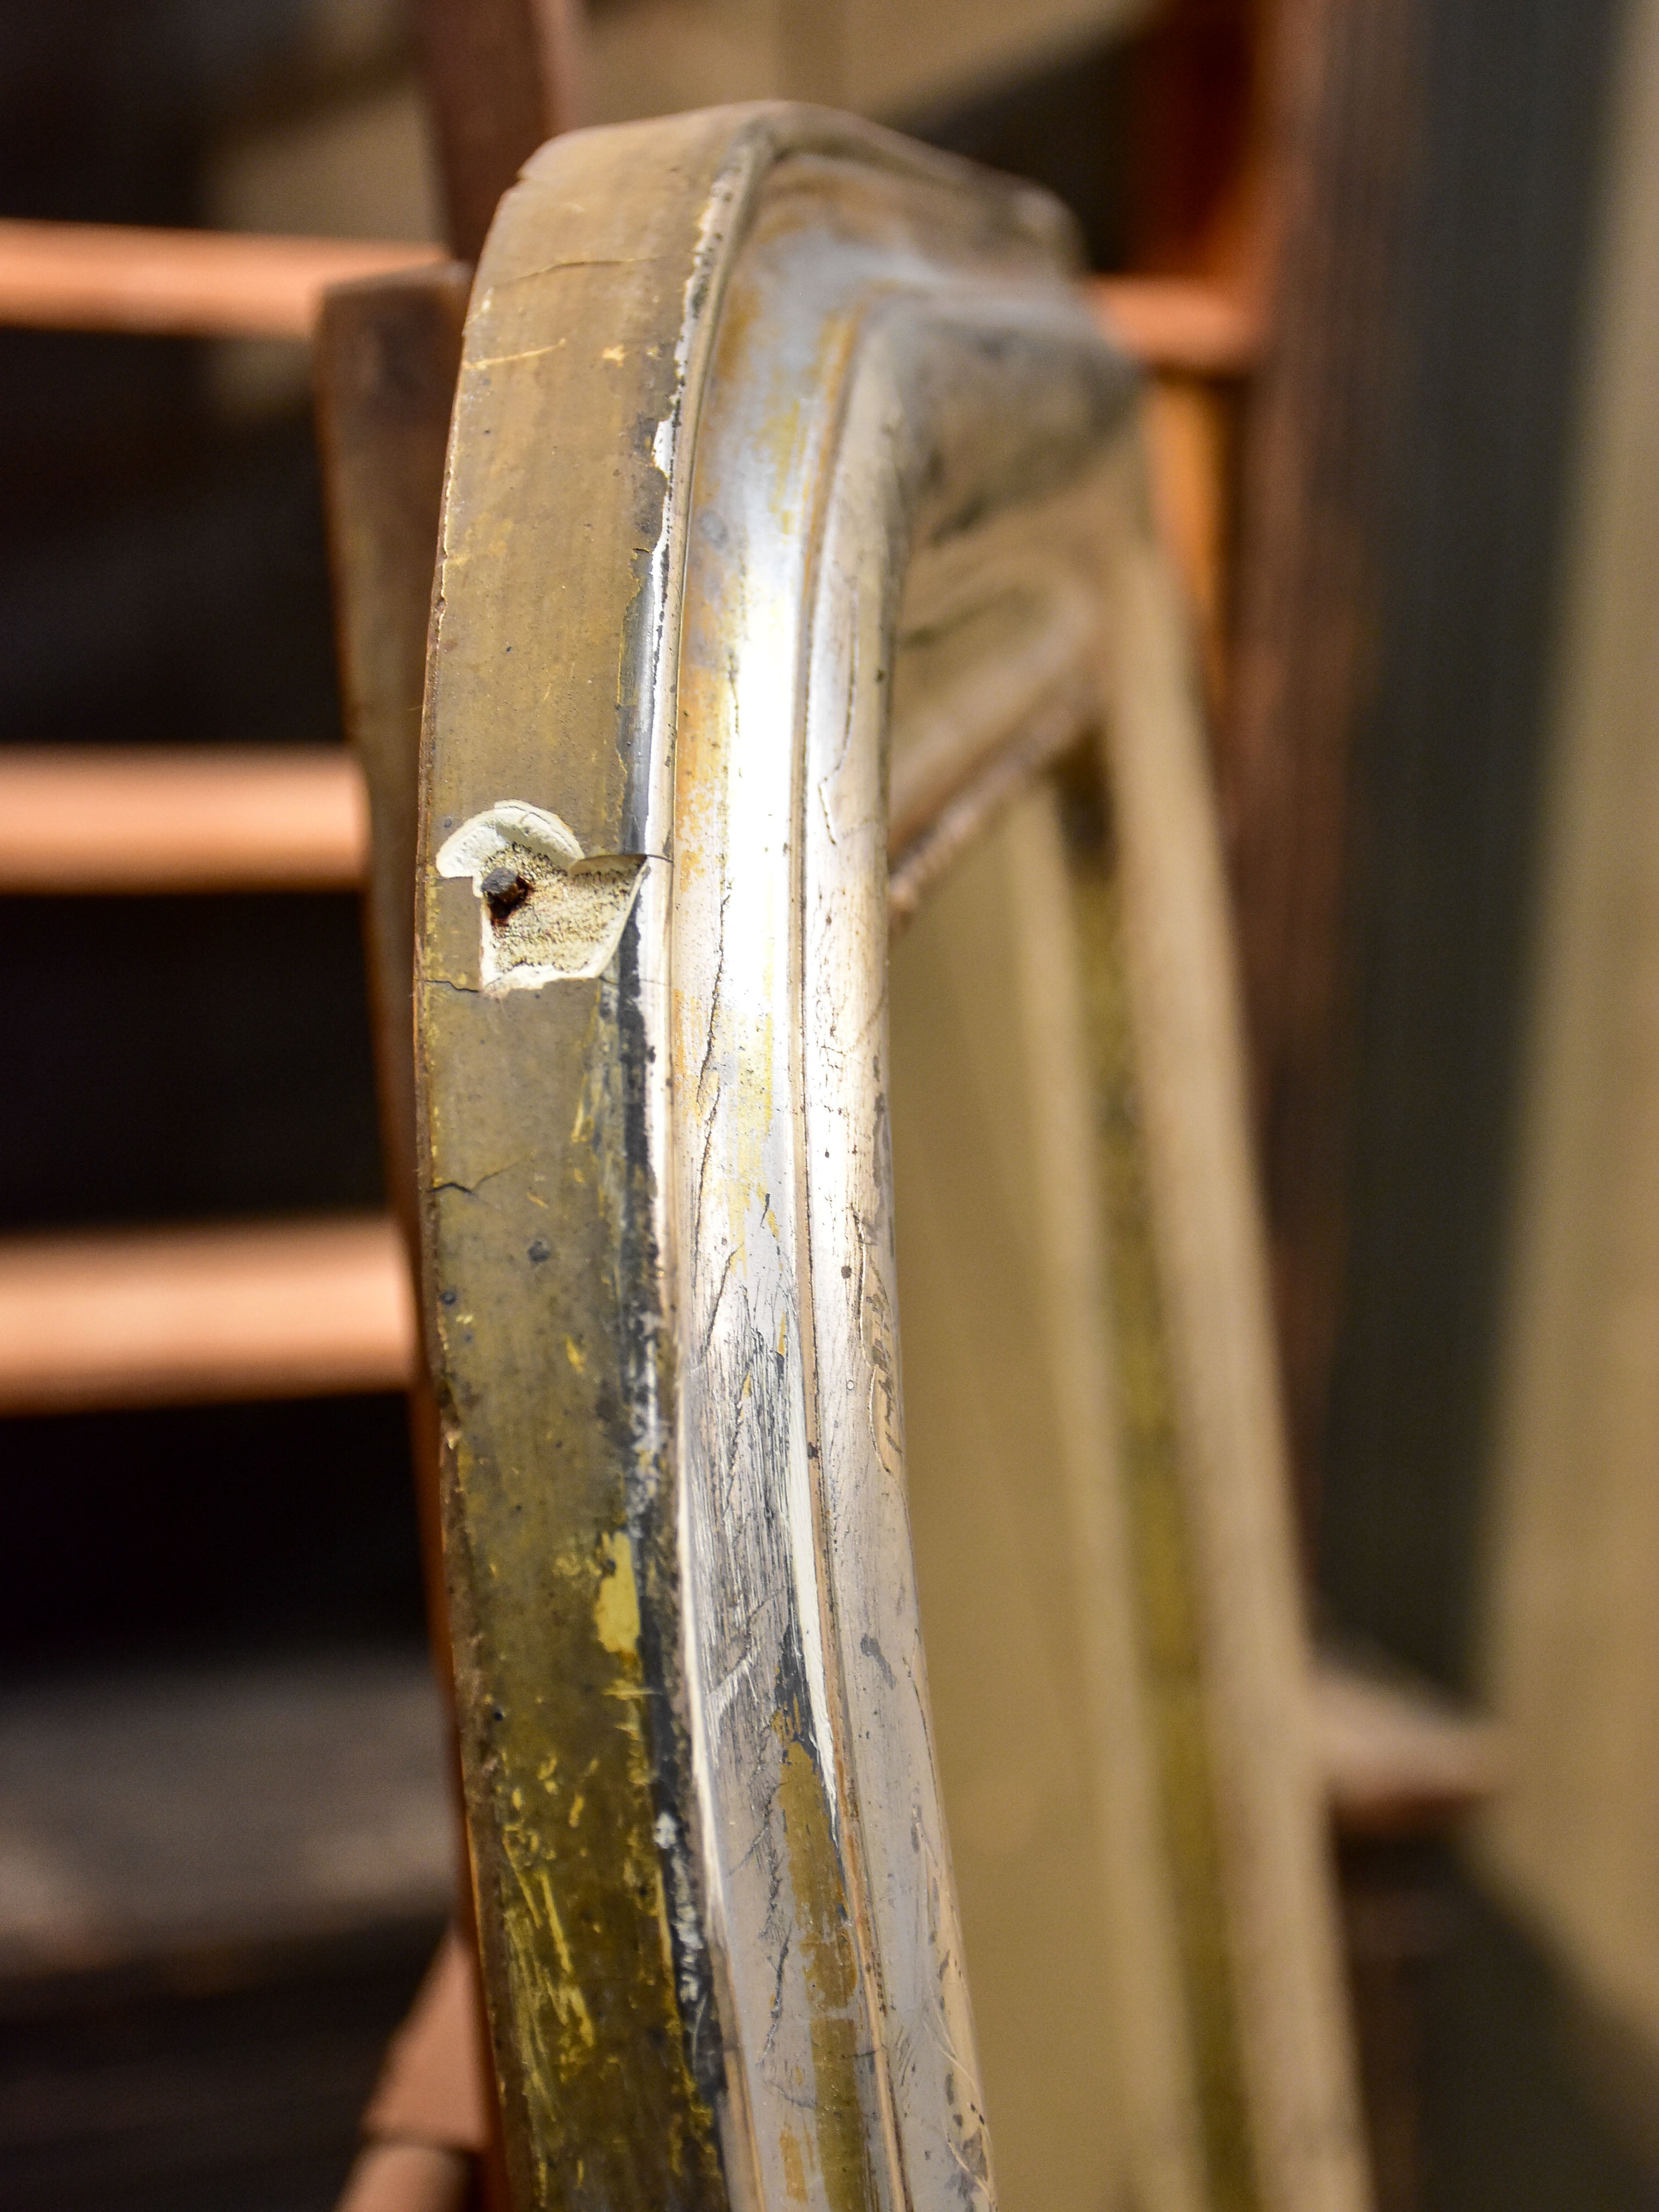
{"x": 788, "y": 472}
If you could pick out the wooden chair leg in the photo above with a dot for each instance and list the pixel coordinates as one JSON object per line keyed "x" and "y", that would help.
{"x": 387, "y": 356}
{"x": 406, "y": 2177}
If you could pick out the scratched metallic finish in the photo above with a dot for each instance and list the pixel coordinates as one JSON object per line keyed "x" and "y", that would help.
{"x": 758, "y": 407}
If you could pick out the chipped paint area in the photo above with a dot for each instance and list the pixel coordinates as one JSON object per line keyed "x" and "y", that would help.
{"x": 617, "y": 1608}
{"x": 687, "y": 1924}
{"x": 547, "y": 912}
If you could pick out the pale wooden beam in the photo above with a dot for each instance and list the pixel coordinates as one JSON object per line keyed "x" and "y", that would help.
{"x": 1179, "y": 323}
{"x": 173, "y": 1316}
{"x": 188, "y": 283}
{"x": 87, "y": 819}
{"x": 210, "y": 283}
{"x": 1397, "y": 1758}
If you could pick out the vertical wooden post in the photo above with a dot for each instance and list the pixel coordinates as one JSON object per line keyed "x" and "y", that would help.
{"x": 1339, "y": 161}
{"x": 501, "y": 76}
{"x": 1194, "y": 77}
{"x": 388, "y": 351}
{"x": 1303, "y": 666}
{"x": 386, "y": 356}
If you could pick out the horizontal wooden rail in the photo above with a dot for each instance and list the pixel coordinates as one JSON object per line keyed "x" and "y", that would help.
{"x": 298, "y": 1308}
{"x": 184, "y": 284}
{"x": 90, "y": 819}
{"x": 1397, "y": 1759}
{"x": 175, "y": 1316}
{"x": 212, "y": 283}
{"x": 1179, "y": 326}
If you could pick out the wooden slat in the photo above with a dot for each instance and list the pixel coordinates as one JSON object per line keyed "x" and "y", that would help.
{"x": 387, "y": 356}
{"x": 274, "y": 1309}
{"x": 1316, "y": 507}
{"x": 502, "y": 76}
{"x": 1197, "y": 339}
{"x": 409, "y": 2176}
{"x": 1187, "y": 442}
{"x": 208, "y": 283}
{"x": 434, "y": 2090}
{"x": 116, "y": 819}
{"x": 1181, "y": 324}
{"x": 1398, "y": 1758}
{"x": 190, "y": 283}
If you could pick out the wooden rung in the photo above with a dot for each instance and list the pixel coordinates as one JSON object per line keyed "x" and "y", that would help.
{"x": 275, "y": 1309}
{"x": 101, "y": 818}
{"x": 1179, "y": 325}
{"x": 312, "y": 1308}
{"x": 186, "y": 284}
{"x": 211, "y": 283}
{"x": 1397, "y": 1759}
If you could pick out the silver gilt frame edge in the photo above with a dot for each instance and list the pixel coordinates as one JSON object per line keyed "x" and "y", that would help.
{"x": 783, "y": 453}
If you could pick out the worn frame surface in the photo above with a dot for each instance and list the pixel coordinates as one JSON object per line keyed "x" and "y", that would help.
{"x": 794, "y": 515}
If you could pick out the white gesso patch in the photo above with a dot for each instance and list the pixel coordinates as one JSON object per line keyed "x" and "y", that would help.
{"x": 684, "y": 1910}
{"x": 547, "y": 913}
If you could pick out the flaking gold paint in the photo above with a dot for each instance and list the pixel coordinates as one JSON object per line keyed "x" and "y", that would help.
{"x": 617, "y": 1608}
